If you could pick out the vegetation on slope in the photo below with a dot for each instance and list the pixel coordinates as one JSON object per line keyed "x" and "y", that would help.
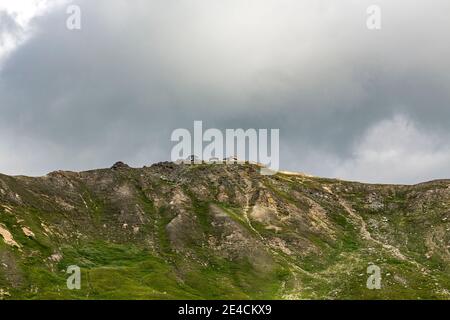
{"x": 220, "y": 231}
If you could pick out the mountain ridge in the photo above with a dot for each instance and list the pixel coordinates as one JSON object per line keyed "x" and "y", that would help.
{"x": 203, "y": 231}
{"x": 283, "y": 172}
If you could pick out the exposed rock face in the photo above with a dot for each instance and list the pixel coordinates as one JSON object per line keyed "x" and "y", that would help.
{"x": 210, "y": 231}
{"x": 119, "y": 165}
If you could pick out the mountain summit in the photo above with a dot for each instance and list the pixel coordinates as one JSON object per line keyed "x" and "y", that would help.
{"x": 212, "y": 231}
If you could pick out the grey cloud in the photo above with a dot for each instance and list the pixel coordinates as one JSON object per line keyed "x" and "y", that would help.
{"x": 138, "y": 70}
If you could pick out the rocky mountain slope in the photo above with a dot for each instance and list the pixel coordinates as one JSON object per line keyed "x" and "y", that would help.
{"x": 220, "y": 231}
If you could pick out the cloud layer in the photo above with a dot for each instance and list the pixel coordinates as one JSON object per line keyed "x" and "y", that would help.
{"x": 349, "y": 102}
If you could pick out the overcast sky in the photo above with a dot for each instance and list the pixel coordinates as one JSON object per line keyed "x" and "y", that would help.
{"x": 349, "y": 102}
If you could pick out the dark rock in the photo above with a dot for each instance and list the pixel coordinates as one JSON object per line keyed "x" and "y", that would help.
{"x": 120, "y": 165}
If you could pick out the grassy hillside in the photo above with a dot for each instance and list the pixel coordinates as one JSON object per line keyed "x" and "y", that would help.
{"x": 220, "y": 231}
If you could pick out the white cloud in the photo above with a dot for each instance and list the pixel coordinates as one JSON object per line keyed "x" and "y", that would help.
{"x": 397, "y": 150}
{"x": 20, "y": 13}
